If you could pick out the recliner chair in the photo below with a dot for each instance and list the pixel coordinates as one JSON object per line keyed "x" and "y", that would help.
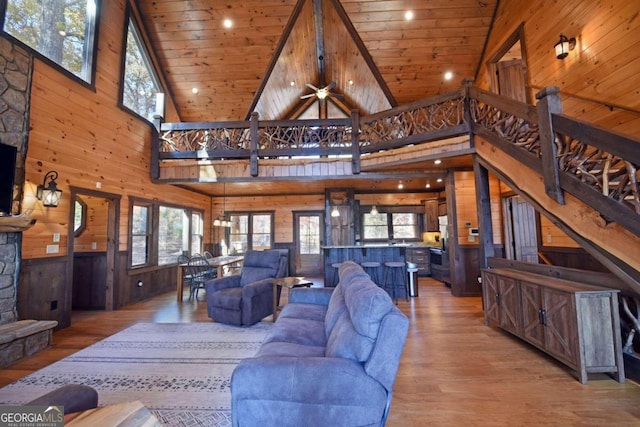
{"x": 246, "y": 298}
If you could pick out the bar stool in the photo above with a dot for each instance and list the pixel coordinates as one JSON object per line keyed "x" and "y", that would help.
{"x": 372, "y": 268}
{"x": 333, "y": 274}
{"x": 396, "y": 272}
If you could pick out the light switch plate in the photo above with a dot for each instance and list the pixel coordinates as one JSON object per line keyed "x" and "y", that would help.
{"x": 56, "y": 237}
{"x": 53, "y": 249}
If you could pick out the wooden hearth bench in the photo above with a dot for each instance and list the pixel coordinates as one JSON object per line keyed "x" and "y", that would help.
{"x": 24, "y": 338}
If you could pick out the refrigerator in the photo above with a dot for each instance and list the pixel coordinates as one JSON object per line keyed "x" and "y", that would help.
{"x": 443, "y": 223}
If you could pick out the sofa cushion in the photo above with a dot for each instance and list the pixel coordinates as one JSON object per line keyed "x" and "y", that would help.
{"x": 229, "y": 298}
{"x": 297, "y": 331}
{"x": 289, "y": 349}
{"x": 303, "y": 311}
{"x": 335, "y": 309}
{"x": 356, "y": 328}
{"x": 259, "y": 265}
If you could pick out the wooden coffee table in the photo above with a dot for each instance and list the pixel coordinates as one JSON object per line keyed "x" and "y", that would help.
{"x": 126, "y": 414}
{"x": 286, "y": 282}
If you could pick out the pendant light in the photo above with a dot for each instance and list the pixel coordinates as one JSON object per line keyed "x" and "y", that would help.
{"x": 335, "y": 212}
{"x": 374, "y": 210}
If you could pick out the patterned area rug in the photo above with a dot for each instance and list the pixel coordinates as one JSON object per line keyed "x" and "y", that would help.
{"x": 180, "y": 371}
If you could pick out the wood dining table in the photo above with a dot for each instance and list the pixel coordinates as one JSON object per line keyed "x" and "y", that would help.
{"x": 218, "y": 262}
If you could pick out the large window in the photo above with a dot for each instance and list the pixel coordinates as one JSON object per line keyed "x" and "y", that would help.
{"x": 62, "y": 31}
{"x": 140, "y": 83}
{"x": 251, "y": 230}
{"x": 390, "y": 226}
{"x": 160, "y": 233}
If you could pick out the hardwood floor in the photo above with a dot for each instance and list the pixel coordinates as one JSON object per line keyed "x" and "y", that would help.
{"x": 455, "y": 371}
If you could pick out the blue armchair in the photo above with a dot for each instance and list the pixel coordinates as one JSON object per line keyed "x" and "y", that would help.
{"x": 246, "y": 298}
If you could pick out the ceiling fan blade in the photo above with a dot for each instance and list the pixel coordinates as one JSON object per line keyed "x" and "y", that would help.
{"x": 330, "y": 86}
{"x": 310, "y": 86}
{"x": 307, "y": 96}
{"x": 336, "y": 95}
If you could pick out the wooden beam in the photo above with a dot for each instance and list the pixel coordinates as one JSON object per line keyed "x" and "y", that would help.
{"x": 483, "y": 203}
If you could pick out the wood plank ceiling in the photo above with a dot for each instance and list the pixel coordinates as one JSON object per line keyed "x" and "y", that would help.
{"x": 372, "y": 54}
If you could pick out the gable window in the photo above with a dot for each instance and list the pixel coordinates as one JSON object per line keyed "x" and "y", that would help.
{"x": 140, "y": 82}
{"x": 62, "y": 31}
{"x": 250, "y": 231}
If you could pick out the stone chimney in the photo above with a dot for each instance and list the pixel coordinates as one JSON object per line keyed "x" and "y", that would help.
{"x": 16, "y": 66}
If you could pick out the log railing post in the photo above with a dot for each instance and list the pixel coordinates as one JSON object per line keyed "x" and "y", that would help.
{"x": 253, "y": 153}
{"x": 155, "y": 147}
{"x": 549, "y": 103}
{"x": 355, "y": 141}
{"x": 466, "y": 84}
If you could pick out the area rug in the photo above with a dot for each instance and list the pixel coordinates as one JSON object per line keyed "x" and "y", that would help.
{"x": 180, "y": 371}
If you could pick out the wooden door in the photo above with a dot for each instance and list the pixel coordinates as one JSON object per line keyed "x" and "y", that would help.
{"x": 309, "y": 237}
{"x": 490, "y": 293}
{"x": 509, "y": 305}
{"x": 532, "y": 328}
{"x": 560, "y": 326}
{"x": 511, "y": 80}
{"x": 520, "y": 230}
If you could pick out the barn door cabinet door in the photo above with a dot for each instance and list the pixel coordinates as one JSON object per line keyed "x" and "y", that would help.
{"x": 501, "y": 302}
{"x": 577, "y": 324}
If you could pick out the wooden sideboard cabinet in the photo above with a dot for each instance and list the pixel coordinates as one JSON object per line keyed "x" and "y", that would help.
{"x": 577, "y": 324}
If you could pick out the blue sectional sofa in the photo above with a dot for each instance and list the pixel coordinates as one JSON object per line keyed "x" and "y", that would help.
{"x": 330, "y": 359}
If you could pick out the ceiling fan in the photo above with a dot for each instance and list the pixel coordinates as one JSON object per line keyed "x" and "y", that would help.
{"x": 322, "y": 93}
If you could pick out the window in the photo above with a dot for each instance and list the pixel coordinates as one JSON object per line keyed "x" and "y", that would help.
{"x": 197, "y": 232}
{"x": 309, "y": 234}
{"x": 140, "y": 235}
{"x": 391, "y": 225}
{"x": 173, "y": 234}
{"x": 160, "y": 233}
{"x": 79, "y": 217}
{"x": 250, "y": 231}
{"x": 140, "y": 83}
{"x": 62, "y": 31}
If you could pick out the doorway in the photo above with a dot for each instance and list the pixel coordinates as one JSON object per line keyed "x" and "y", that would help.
{"x": 508, "y": 68}
{"x": 520, "y": 230}
{"x": 93, "y": 228}
{"x": 309, "y": 237}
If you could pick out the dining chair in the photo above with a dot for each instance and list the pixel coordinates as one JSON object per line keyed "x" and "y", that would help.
{"x": 199, "y": 271}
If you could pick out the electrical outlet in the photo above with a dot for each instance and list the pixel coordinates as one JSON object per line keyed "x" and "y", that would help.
{"x": 56, "y": 237}
{"x": 549, "y": 238}
{"x": 53, "y": 249}
{"x": 94, "y": 245}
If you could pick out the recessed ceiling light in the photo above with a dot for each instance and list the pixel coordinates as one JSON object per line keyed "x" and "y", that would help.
{"x": 437, "y": 161}
{"x": 400, "y": 185}
{"x": 292, "y": 83}
{"x": 448, "y": 75}
{"x": 228, "y": 23}
{"x": 408, "y": 15}
{"x": 194, "y": 90}
{"x": 428, "y": 185}
{"x": 439, "y": 180}
{"x": 350, "y": 82}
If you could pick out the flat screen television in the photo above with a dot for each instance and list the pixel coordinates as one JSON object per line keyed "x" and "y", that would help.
{"x": 7, "y": 175}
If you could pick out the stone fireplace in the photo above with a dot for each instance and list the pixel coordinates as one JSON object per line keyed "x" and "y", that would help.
{"x": 16, "y": 67}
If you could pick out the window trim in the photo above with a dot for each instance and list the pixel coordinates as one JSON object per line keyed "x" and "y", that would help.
{"x": 83, "y": 216}
{"x": 149, "y": 60}
{"x": 154, "y": 221}
{"x": 91, "y": 84}
{"x": 417, "y": 210}
{"x": 250, "y": 214}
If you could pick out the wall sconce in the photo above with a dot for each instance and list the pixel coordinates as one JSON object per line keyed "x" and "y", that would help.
{"x": 563, "y": 46}
{"x": 49, "y": 194}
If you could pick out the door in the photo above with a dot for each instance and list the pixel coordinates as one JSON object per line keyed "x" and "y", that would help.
{"x": 309, "y": 237}
{"x": 93, "y": 224}
{"x": 520, "y": 230}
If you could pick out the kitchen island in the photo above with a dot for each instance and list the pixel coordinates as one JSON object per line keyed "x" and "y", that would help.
{"x": 360, "y": 253}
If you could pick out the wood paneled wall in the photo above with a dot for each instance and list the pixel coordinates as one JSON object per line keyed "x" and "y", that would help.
{"x": 603, "y": 66}
{"x": 94, "y": 237}
{"x": 91, "y": 142}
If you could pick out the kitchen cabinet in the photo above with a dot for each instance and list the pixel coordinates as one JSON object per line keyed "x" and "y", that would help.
{"x": 431, "y": 215}
{"x": 577, "y": 324}
{"x": 439, "y": 260}
{"x": 422, "y": 258}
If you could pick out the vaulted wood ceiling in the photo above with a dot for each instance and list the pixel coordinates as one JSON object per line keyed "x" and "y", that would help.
{"x": 272, "y": 43}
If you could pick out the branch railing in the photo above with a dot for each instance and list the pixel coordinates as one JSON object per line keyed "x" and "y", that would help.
{"x": 598, "y": 166}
